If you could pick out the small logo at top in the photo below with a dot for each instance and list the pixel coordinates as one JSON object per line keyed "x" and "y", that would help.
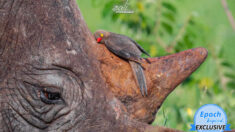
{"x": 122, "y": 8}
{"x": 210, "y": 118}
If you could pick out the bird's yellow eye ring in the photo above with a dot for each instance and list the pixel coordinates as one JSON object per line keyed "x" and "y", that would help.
{"x": 101, "y": 35}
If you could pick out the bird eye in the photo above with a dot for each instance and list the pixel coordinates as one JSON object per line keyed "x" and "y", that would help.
{"x": 50, "y": 97}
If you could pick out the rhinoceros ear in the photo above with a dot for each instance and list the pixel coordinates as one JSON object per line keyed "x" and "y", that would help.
{"x": 163, "y": 74}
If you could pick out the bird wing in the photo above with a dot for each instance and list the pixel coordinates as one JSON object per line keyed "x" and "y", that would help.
{"x": 140, "y": 48}
{"x": 135, "y": 43}
{"x": 123, "y": 48}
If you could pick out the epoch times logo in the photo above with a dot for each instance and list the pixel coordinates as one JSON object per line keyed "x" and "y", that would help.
{"x": 210, "y": 118}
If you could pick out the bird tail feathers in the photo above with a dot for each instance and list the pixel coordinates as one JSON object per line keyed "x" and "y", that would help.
{"x": 139, "y": 77}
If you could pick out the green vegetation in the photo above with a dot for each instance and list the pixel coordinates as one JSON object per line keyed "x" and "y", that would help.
{"x": 163, "y": 27}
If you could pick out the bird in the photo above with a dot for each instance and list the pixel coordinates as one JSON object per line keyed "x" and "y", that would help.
{"x": 126, "y": 48}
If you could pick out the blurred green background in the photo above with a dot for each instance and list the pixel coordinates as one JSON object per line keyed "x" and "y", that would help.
{"x": 164, "y": 27}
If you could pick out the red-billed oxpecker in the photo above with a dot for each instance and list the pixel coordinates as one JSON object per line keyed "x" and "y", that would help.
{"x": 125, "y": 48}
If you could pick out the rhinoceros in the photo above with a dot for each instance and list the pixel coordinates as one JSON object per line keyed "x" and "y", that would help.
{"x": 54, "y": 76}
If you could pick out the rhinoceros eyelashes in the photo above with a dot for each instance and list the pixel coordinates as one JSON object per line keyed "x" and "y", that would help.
{"x": 50, "y": 97}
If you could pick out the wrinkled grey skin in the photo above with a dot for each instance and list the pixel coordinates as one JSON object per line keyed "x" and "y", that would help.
{"x": 23, "y": 110}
{"x": 44, "y": 45}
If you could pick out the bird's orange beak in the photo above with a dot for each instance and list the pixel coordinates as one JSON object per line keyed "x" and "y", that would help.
{"x": 98, "y": 39}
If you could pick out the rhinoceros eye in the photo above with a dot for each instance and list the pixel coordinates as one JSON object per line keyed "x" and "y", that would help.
{"x": 50, "y": 97}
